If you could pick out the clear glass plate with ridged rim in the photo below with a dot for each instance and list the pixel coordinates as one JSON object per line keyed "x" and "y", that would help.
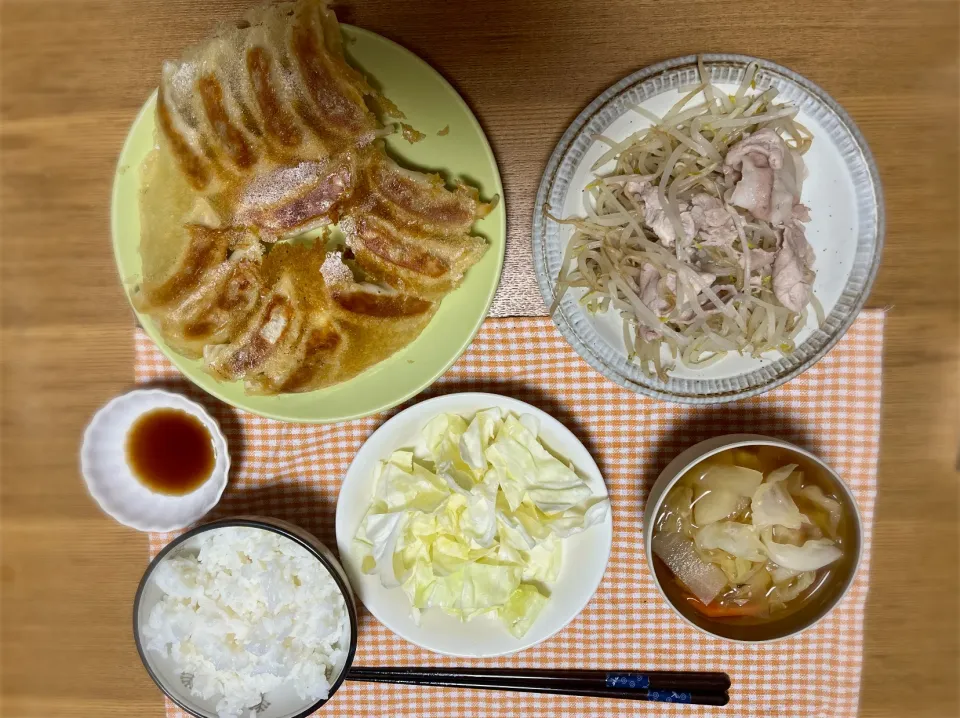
{"x": 432, "y": 106}
{"x": 846, "y": 230}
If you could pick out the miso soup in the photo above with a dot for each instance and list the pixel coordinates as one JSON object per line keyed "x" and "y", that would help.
{"x": 755, "y": 542}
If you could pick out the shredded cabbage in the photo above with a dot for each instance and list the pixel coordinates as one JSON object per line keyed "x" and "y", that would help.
{"x": 737, "y": 570}
{"x": 473, "y": 520}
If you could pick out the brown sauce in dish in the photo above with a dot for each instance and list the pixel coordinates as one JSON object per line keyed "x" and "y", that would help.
{"x": 170, "y": 451}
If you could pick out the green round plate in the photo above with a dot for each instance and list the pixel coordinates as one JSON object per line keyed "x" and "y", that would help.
{"x": 431, "y": 105}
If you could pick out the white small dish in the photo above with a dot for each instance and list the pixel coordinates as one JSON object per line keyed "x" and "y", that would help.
{"x": 585, "y": 554}
{"x": 686, "y": 460}
{"x": 110, "y": 480}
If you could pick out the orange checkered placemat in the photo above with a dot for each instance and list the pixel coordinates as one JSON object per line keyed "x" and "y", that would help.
{"x": 293, "y": 472}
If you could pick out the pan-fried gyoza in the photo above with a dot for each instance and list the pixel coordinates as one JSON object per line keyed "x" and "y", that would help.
{"x": 265, "y": 132}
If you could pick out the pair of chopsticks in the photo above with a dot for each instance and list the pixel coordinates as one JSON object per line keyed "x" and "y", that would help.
{"x": 706, "y": 689}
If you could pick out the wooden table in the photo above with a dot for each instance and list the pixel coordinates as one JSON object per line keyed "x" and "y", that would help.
{"x": 76, "y": 71}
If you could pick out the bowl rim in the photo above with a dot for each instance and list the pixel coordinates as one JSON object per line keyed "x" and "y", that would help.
{"x": 170, "y": 400}
{"x": 710, "y": 447}
{"x": 266, "y": 524}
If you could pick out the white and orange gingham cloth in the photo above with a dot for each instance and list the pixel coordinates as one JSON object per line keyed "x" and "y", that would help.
{"x": 293, "y": 472}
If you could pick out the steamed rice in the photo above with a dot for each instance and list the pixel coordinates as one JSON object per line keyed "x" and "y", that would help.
{"x": 248, "y": 613}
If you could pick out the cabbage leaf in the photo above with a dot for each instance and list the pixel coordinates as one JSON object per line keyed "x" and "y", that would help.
{"x": 717, "y": 505}
{"x": 738, "y": 479}
{"x": 472, "y": 520}
{"x": 813, "y": 555}
{"x": 739, "y": 540}
{"x": 772, "y": 504}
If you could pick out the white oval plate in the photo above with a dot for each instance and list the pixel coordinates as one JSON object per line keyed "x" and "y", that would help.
{"x": 846, "y": 231}
{"x": 585, "y": 554}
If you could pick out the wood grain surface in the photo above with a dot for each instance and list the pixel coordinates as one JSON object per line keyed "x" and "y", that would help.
{"x": 74, "y": 73}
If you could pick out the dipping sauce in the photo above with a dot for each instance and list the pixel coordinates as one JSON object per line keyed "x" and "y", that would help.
{"x": 170, "y": 451}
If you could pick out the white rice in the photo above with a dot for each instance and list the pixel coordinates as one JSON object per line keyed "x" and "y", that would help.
{"x": 251, "y": 612}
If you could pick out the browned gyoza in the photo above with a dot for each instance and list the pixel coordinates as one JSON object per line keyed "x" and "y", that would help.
{"x": 269, "y": 133}
{"x": 408, "y": 231}
{"x": 268, "y": 94}
{"x": 205, "y": 297}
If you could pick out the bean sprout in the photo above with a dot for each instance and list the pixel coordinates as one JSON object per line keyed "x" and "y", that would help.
{"x": 693, "y": 298}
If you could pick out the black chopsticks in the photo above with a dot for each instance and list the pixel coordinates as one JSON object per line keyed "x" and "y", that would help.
{"x": 696, "y": 688}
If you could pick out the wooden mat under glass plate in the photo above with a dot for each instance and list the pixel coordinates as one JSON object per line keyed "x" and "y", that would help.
{"x": 293, "y": 472}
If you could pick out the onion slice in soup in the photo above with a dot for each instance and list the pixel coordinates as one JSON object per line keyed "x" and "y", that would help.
{"x": 815, "y": 495}
{"x": 813, "y": 555}
{"x": 736, "y": 539}
{"x": 772, "y": 504}
{"x": 716, "y": 506}
{"x": 739, "y": 480}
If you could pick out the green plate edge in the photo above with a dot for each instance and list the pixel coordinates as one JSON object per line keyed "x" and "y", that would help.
{"x": 431, "y": 104}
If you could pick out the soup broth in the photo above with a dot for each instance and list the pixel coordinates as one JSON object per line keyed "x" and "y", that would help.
{"x": 758, "y": 599}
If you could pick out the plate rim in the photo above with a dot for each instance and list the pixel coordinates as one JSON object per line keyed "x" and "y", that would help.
{"x": 481, "y": 400}
{"x": 147, "y": 325}
{"x": 538, "y": 238}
